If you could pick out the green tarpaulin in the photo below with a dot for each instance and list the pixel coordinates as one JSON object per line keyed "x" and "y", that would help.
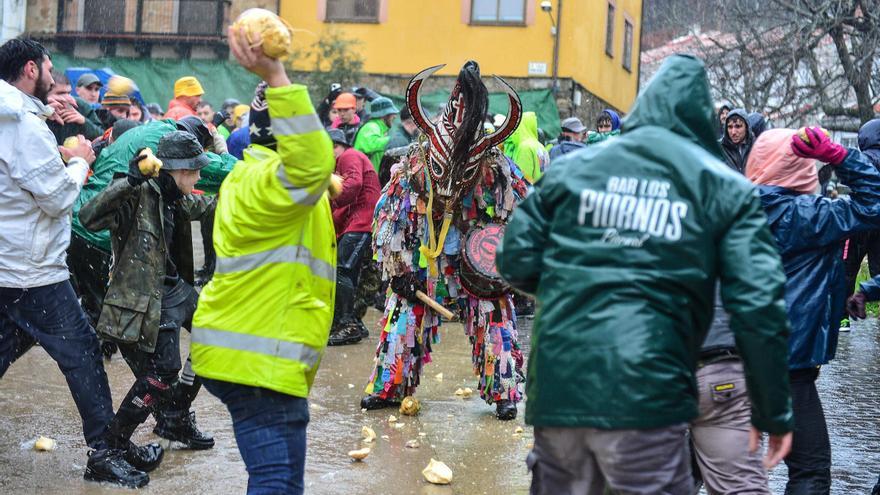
{"x": 155, "y": 78}
{"x": 540, "y": 101}
{"x": 224, "y": 79}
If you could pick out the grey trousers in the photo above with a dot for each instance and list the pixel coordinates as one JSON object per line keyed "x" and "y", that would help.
{"x": 721, "y": 433}
{"x": 588, "y": 461}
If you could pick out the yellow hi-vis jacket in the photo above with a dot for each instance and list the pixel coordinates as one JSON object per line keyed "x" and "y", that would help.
{"x": 264, "y": 318}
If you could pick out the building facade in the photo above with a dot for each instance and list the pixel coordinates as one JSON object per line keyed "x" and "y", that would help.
{"x": 597, "y": 63}
{"x": 593, "y": 65}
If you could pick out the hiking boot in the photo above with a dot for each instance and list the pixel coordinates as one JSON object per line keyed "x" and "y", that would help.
{"x": 373, "y": 402}
{"x": 505, "y": 410}
{"x": 110, "y": 466}
{"x": 181, "y": 428}
{"x": 344, "y": 335}
{"x": 364, "y": 332}
{"x": 145, "y": 458}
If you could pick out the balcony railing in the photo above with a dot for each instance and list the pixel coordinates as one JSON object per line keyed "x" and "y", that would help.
{"x": 174, "y": 21}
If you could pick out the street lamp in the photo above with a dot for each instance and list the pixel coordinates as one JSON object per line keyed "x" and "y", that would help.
{"x": 547, "y": 7}
{"x": 556, "y": 25}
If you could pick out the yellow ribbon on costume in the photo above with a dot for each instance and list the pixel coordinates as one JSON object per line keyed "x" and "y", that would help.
{"x": 435, "y": 247}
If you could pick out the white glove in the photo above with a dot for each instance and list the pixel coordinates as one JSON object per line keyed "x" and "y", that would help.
{"x": 219, "y": 144}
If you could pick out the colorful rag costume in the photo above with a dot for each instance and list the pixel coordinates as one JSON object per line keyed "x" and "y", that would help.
{"x": 452, "y": 183}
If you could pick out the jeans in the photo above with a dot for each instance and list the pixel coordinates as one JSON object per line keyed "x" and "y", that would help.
{"x": 270, "y": 429}
{"x": 89, "y": 268}
{"x": 809, "y": 463}
{"x": 353, "y": 246}
{"x": 52, "y": 316}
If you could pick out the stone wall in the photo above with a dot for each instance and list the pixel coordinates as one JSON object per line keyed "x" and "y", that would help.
{"x": 42, "y": 16}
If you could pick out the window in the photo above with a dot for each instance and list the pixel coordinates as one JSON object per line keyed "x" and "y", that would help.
{"x": 498, "y": 12}
{"x": 104, "y": 16}
{"x": 609, "y": 31}
{"x": 352, "y": 11}
{"x": 627, "y": 45}
{"x": 116, "y": 17}
{"x": 199, "y": 17}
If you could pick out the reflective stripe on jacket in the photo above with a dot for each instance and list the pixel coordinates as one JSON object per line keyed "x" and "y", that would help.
{"x": 264, "y": 318}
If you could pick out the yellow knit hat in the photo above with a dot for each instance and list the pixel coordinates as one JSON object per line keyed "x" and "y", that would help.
{"x": 188, "y": 86}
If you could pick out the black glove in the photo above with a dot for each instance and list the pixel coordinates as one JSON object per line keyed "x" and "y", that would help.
{"x": 219, "y": 118}
{"x": 406, "y": 286}
{"x": 855, "y": 306}
{"x": 135, "y": 177}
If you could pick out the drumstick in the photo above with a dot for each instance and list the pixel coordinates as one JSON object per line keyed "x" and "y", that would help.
{"x": 437, "y": 307}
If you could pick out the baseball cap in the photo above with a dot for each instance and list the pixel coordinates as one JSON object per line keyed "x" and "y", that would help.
{"x": 344, "y": 100}
{"x": 87, "y": 80}
{"x": 573, "y": 124}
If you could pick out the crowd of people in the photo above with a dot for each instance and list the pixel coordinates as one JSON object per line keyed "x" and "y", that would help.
{"x": 690, "y": 273}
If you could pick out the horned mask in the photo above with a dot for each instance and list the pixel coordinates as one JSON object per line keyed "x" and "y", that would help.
{"x": 457, "y": 141}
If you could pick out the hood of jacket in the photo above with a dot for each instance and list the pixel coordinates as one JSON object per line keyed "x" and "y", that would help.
{"x": 528, "y": 127}
{"x": 177, "y": 102}
{"x": 772, "y": 162}
{"x": 869, "y": 140}
{"x": 678, "y": 99}
{"x": 615, "y": 119}
{"x": 738, "y": 112}
{"x": 14, "y": 103}
{"x": 11, "y": 104}
{"x": 757, "y": 123}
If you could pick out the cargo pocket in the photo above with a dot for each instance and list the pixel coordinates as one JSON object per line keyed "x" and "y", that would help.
{"x": 727, "y": 391}
{"x": 121, "y": 319}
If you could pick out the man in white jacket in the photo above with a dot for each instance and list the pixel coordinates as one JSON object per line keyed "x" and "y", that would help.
{"x": 37, "y": 302}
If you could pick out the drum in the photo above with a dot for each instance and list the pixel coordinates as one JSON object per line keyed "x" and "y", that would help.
{"x": 476, "y": 271}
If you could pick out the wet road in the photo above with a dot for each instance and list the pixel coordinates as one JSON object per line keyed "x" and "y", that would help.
{"x": 850, "y": 391}
{"x": 486, "y": 455}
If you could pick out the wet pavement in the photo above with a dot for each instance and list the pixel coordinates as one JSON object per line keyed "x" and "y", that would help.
{"x": 850, "y": 393}
{"x": 486, "y": 455}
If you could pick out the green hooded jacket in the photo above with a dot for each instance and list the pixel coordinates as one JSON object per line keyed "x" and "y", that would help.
{"x": 371, "y": 140}
{"x": 524, "y": 148}
{"x": 114, "y": 159}
{"x": 622, "y": 244}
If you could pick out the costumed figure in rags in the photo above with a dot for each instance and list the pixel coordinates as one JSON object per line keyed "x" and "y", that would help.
{"x": 436, "y": 227}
